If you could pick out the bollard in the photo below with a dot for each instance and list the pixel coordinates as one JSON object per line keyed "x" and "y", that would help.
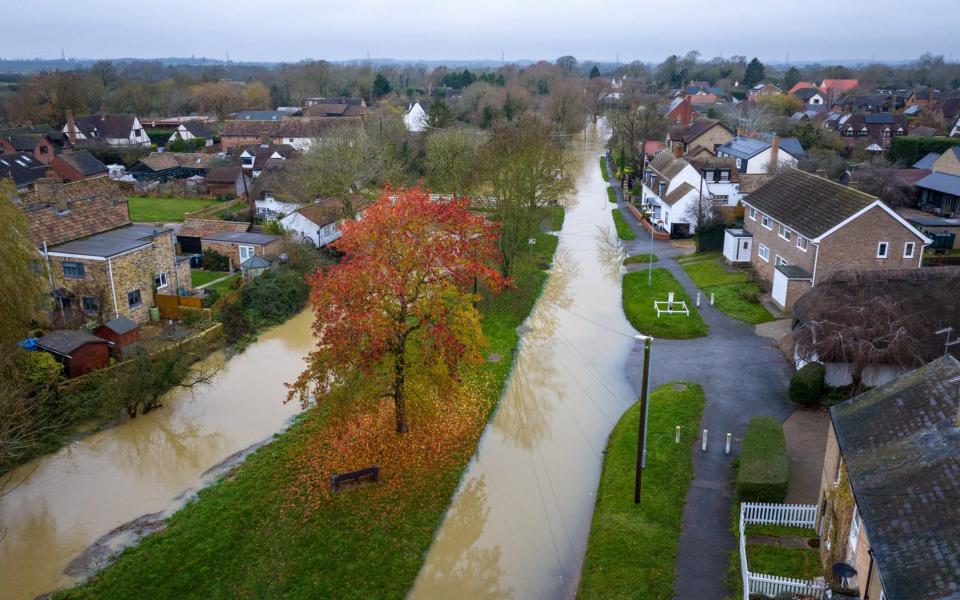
{"x": 703, "y": 444}
{"x": 711, "y": 298}
{"x": 676, "y": 437}
{"x": 698, "y": 299}
{"x": 727, "y": 448}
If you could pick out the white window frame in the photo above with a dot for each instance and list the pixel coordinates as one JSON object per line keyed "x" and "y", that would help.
{"x": 780, "y": 261}
{"x": 767, "y": 222}
{"x": 160, "y": 279}
{"x": 912, "y": 246}
{"x": 885, "y": 246}
{"x": 251, "y": 249}
{"x": 784, "y": 232}
{"x": 854, "y": 535}
{"x": 738, "y": 163}
{"x": 753, "y": 214}
{"x": 802, "y": 247}
{"x": 763, "y": 250}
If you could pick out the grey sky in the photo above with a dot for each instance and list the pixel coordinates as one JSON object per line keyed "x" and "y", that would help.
{"x": 647, "y": 30}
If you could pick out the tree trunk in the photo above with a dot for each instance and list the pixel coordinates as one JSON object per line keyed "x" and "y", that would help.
{"x": 399, "y": 402}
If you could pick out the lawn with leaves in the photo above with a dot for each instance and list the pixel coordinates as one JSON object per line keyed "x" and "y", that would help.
{"x": 632, "y": 549}
{"x": 164, "y": 210}
{"x": 733, "y": 292}
{"x": 624, "y": 231}
{"x": 272, "y": 528}
{"x": 638, "y": 301}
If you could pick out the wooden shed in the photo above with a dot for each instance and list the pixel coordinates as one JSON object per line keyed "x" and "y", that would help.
{"x": 123, "y": 332}
{"x": 79, "y": 351}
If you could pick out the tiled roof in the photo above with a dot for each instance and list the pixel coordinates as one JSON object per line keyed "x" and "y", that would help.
{"x": 808, "y": 204}
{"x": 84, "y": 162}
{"x": 901, "y": 446}
{"x": 21, "y": 167}
{"x": 666, "y": 165}
{"x": 198, "y": 129}
{"x": 293, "y": 127}
{"x": 25, "y": 142}
{"x": 105, "y": 126}
{"x": 676, "y": 195}
{"x": 224, "y": 174}
{"x": 203, "y": 227}
{"x": 695, "y": 130}
{"x": 161, "y": 161}
{"x": 65, "y": 341}
{"x": 92, "y": 206}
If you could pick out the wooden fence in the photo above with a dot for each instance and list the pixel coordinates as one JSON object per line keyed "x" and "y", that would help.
{"x": 170, "y": 305}
{"x": 800, "y": 515}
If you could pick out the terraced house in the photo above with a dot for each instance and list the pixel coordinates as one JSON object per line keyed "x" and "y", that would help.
{"x": 96, "y": 262}
{"x": 801, "y": 227}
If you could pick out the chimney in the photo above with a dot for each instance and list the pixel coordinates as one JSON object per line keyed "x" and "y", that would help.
{"x": 678, "y": 150}
{"x": 774, "y": 154}
{"x": 49, "y": 191}
{"x": 71, "y": 128}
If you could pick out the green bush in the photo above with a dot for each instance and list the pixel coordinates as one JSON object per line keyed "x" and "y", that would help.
{"x": 211, "y": 260}
{"x": 192, "y": 316}
{"x": 274, "y": 297}
{"x": 763, "y": 475}
{"x": 909, "y": 149}
{"x": 210, "y": 296}
{"x": 806, "y": 385}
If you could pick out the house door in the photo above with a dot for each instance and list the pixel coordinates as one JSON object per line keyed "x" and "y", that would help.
{"x": 744, "y": 253}
{"x": 780, "y": 288}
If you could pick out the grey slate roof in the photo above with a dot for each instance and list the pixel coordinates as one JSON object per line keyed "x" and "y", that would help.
{"x": 258, "y": 239}
{"x": 743, "y": 147}
{"x": 96, "y": 127}
{"x": 255, "y": 262}
{"x": 259, "y": 115}
{"x": 901, "y": 446}
{"x": 65, "y": 341}
{"x": 806, "y": 203}
{"x": 791, "y": 146}
{"x": 84, "y": 162}
{"x": 941, "y": 182}
{"x": 927, "y": 161}
{"x": 198, "y": 129}
{"x": 112, "y": 242}
{"x": 121, "y": 325}
{"x": 21, "y": 167}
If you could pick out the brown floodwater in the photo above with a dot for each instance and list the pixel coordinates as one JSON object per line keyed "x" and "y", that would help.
{"x": 146, "y": 466}
{"x": 518, "y": 525}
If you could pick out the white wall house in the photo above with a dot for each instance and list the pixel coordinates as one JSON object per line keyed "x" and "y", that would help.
{"x": 416, "y": 118}
{"x": 755, "y": 156}
{"x": 671, "y": 190}
{"x": 192, "y": 130}
{"x": 317, "y": 223}
{"x": 272, "y": 208}
{"x": 115, "y": 130}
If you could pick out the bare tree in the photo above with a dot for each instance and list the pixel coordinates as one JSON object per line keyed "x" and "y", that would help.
{"x": 565, "y": 106}
{"x": 450, "y": 162}
{"x": 747, "y": 117}
{"x": 879, "y": 177}
{"x": 635, "y": 121}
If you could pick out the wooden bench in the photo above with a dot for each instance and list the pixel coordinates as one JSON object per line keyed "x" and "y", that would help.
{"x": 352, "y": 478}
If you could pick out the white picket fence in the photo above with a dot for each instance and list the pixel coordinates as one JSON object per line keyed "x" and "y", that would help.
{"x": 800, "y": 515}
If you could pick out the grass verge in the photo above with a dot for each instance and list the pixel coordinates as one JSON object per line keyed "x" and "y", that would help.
{"x": 638, "y": 301}
{"x": 798, "y": 563}
{"x": 603, "y": 168}
{"x": 632, "y": 549}
{"x": 624, "y": 231}
{"x": 640, "y": 259}
{"x": 164, "y": 210}
{"x": 611, "y": 195}
{"x": 201, "y": 277}
{"x": 246, "y": 537}
{"x": 733, "y": 292}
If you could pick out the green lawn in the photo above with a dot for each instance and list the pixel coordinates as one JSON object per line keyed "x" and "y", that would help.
{"x": 638, "y": 301}
{"x": 779, "y": 530}
{"x": 624, "y": 232}
{"x": 164, "y": 210}
{"x": 611, "y": 195}
{"x": 734, "y": 293}
{"x": 799, "y": 563}
{"x": 640, "y": 258}
{"x": 603, "y": 168}
{"x": 245, "y": 537}
{"x": 201, "y": 277}
{"x": 632, "y": 549}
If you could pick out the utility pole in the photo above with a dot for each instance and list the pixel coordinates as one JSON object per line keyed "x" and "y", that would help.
{"x": 644, "y": 409}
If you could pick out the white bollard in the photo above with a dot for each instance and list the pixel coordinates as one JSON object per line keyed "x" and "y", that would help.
{"x": 727, "y": 448}
{"x": 676, "y": 437}
{"x": 711, "y": 298}
{"x": 703, "y": 444}
{"x": 698, "y": 299}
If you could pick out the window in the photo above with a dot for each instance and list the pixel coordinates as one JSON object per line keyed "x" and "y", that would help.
{"x": 766, "y": 222}
{"x": 908, "y": 250}
{"x": 661, "y": 188}
{"x": 863, "y": 132}
{"x": 739, "y": 163}
{"x": 709, "y": 175}
{"x": 763, "y": 252}
{"x": 73, "y": 270}
{"x": 882, "y": 249}
{"x": 89, "y": 304}
{"x": 802, "y": 243}
{"x": 133, "y": 298}
{"x": 137, "y": 132}
{"x": 753, "y": 213}
{"x": 781, "y": 261}
{"x": 44, "y": 149}
{"x": 160, "y": 280}
{"x": 784, "y": 232}
{"x": 724, "y": 175}
{"x": 854, "y": 534}
{"x": 246, "y": 252}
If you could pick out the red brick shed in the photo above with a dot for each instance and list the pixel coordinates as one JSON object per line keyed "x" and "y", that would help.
{"x": 123, "y": 332}
{"x": 79, "y": 351}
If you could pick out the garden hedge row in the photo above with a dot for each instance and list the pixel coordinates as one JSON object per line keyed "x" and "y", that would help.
{"x": 763, "y": 474}
{"x": 909, "y": 149}
{"x": 806, "y": 385}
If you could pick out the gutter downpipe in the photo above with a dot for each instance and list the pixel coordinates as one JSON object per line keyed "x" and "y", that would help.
{"x": 113, "y": 289}
{"x": 46, "y": 259}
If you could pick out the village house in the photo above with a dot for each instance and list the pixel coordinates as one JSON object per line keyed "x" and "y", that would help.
{"x": 35, "y": 141}
{"x": 240, "y": 246}
{"x": 227, "y": 182}
{"x": 680, "y": 112}
{"x": 889, "y": 487}
{"x": 192, "y": 130}
{"x": 803, "y": 227}
{"x": 318, "y": 223}
{"x": 703, "y": 136}
{"x": 78, "y": 164}
{"x": 758, "y": 156}
{"x": 114, "y": 130}
{"x": 865, "y": 129}
{"x": 834, "y": 88}
{"x": 23, "y": 169}
{"x": 812, "y": 97}
{"x": 298, "y": 132}
{"x": 763, "y": 90}
{"x": 192, "y": 231}
{"x": 415, "y": 119}
{"x": 96, "y": 261}
{"x": 254, "y": 159}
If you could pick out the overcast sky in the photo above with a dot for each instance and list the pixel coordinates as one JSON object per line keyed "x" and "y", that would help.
{"x": 648, "y": 30}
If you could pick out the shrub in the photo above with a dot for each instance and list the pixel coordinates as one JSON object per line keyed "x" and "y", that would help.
{"x": 210, "y": 296}
{"x": 763, "y": 474}
{"x": 806, "y": 385}
{"x": 749, "y": 294}
{"x": 192, "y": 316}
{"x": 211, "y": 260}
{"x": 273, "y": 297}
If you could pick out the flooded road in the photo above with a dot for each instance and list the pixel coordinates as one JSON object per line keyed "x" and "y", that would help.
{"x": 518, "y": 525}
{"x": 76, "y": 496}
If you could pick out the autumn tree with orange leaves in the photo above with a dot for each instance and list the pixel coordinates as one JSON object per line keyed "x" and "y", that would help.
{"x": 400, "y": 304}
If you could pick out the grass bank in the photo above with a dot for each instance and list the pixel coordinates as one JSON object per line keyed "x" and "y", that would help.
{"x": 638, "y": 301}
{"x": 733, "y": 292}
{"x": 164, "y": 210}
{"x": 246, "y": 537}
{"x": 624, "y": 231}
{"x": 611, "y": 195}
{"x": 632, "y": 549}
{"x": 603, "y": 168}
{"x": 640, "y": 259}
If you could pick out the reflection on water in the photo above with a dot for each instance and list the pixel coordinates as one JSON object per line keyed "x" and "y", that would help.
{"x": 88, "y": 488}
{"x": 520, "y": 520}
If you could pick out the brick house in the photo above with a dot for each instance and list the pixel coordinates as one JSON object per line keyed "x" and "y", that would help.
{"x": 681, "y": 112}
{"x": 804, "y": 227}
{"x": 35, "y": 142}
{"x": 298, "y": 132}
{"x": 763, "y": 90}
{"x": 96, "y": 261}
{"x": 239, "y": 246}
{"x": 74, "y": 166}
{"x": 23, "y": 169}
{"x": 706, "y": 134}
{"x": 889, "y": 487}
{"x": 871, "y": 128}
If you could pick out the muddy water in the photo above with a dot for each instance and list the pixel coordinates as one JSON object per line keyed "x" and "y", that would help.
{"x": 74, "y": 497}
{"x": 518, "y": 525}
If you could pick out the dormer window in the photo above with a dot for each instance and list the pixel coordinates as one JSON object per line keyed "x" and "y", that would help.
{"x": 863, "y": 132}
{"x": 886, "y": 132}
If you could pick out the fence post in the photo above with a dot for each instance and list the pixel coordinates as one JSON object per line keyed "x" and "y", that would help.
{"x": 676, "y": 437}
{"x": 703, "y": 443}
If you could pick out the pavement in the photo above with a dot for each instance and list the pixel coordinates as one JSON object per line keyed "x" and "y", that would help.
{"x": 743, "y": 375}
{"x": 806, "y": 433}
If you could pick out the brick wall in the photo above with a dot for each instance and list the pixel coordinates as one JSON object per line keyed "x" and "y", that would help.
{"x": 855, "y": 245}
{"x": 777, "y": 245}
{"x": 711, "y": 139}
{"x": 232, "y": 250}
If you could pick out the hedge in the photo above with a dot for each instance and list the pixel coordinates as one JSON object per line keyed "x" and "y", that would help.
{"x": 909, "y": 149}
{"x": 806, "y": 385}
{"x": 763, "y": 474}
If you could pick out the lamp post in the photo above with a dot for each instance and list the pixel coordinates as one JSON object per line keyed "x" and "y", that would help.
{"x": 644, "y": 409}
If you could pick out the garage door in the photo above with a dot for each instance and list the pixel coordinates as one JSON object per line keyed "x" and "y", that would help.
{"x": 780, "y": 288}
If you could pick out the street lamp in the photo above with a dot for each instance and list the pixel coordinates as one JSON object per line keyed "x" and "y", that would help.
{"x": 644, "y": 410}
